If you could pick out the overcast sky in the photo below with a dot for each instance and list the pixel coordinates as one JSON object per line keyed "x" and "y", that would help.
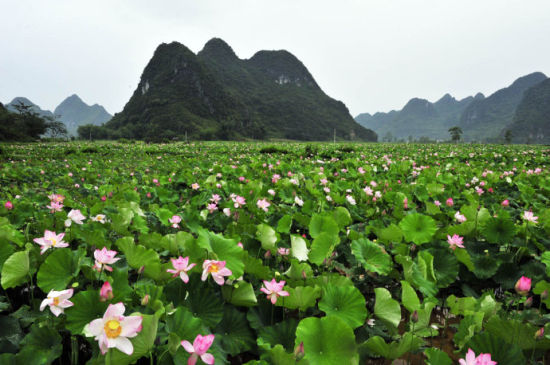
{"x": 374, "y": 55}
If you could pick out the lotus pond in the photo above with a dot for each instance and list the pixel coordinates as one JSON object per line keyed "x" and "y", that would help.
{"x": 287, "y": 253}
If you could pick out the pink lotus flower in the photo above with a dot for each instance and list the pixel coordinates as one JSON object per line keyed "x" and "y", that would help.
{"x": 55, "y": 207}
{"x": 195, "y": 186}
{"x": 74, "y": 216}
{"x": 217, "y": 269}
{"x": 8, "y": 205}
{"x": 104, "y": 258}
{"x": 405, "y": 203}
{"x": 212, "y": 207}
{"x": 238, "y": 201}
{"x": 455, "y": 241}
{"x": 181, "y": 267}
{"x": 57, "y": 301}
{"x": 368, "y": 191}
{"x": 523, "y": 285}
{"x": 263, "y": 204}
{"x": 200, "y": 345}
{"x": 449, "y": 202}
{"x": 274, "y": 290}
{"x": 283, "y": 251}
{"x": 175, "y": 220}
{"x": 530, "y": 217}
{"x": 215, "y": 198}
{"x": 437, "y": 203}
{"x": 505, "y": 203}
{"x": 114, "y": 329}
{"x": 459, "y": 217}
{"x": 471, "y": 359}
{"x": 106, "y": 292}
{"x": 58, "y": 198}
{"x": 51, "y": 239}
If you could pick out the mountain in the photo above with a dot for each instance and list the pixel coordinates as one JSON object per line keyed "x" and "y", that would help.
{"x": 480, "y": 118}
{"x": 418, "y": 118}
{"x": 485, "y": 118}
{"x": 74, "y": 112}
{"x": 216, "y": 95}
{"x": 35, "y": 108}
{"x": 531, "y": 122}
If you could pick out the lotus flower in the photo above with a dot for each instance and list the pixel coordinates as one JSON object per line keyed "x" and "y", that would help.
{"x": 200, "y": 345}
{"x": 459, "y": 217}
{"x": 523, "y": 285}
{"x": 99, "y": 218}
{"x": 51, "y": 239}
{"x": 181, "y": 267}
{"x": 175, "y": 220}
{"x": 57, "y": 198}
{"x": 8, "y": 205}
{"x": 263, "y": 204}
{"x": 58, "y": 301}
{"x": 104, "y": 258}
{"x": 530, "y": 217}
{"x": 449, "y": 202}
{"x": 217, "y": 269}
{"x": 455, "y": 241}
{"x": 274, "y": 290}
{"x": 298, "y": 201}
{"x": 113, "y": 330}
{"x": 74, "y": 216}
{"x": 55, "y": 206}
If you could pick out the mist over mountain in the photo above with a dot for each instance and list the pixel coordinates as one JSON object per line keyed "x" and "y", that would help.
{"x": 216, "y": 95}
{"x": 481, "y": 118}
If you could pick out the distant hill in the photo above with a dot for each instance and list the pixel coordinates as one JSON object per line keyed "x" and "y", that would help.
{"x": 35, "y": 108}
{"x": 418, "y": 118}
{"x": 216, "y": 95}
{"x": 74, "y": 112}
{"x": 531, "y": 122}
{"x": 484, "y": 119}
{"x": 480, "y": 118}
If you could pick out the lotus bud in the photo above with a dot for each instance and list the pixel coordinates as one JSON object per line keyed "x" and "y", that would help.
{"x": 539, "y": 334}
{"x": 544, "y": 295}
{"x": 299, "y": 351}
{"x": 267, "y": 254}
{"x": 523, "y": 285}
{"x": 528, "y": 302}
{"x": 106, "y": 292}
{"x": 141, "y": 270}
{"x": 8, "y": 205}
{"x": 145, "y": 300}
{"x": 414, "y": 317}
{"x": 304, "y": 276}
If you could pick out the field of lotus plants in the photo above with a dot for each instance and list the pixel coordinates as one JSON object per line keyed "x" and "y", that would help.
{"x": 286, "y": 253}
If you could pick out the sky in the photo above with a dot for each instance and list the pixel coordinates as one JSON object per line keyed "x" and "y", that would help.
{"x": 374, "y": 55}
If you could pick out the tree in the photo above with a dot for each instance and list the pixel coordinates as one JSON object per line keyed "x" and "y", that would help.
{"x": 388, "y": 137}
{"x": 508, "y": 136}
{"x": 33, "y": 124}
{"x": 56, "y": 129}
{"x": 456, "y": 133}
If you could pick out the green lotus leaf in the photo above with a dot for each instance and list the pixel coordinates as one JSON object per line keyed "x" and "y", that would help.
{"x": 204, "y": 302}
{"x": 300, "y": 297}
{"x": 138, "y": 256}
{"x": 267, "y": 236}
{"x": 298, "y": 247}
{"x": 228, "y": 251}
{"x": 499, "y": 230}
{"x": 284, "y": 224}
{"x": 387, "y": 309}
{"x": 234, "y": 332}
{"x": 395, "y": 349}
{"x": 344, "y": 302}
{"x": 240, "y": 293}
{"x": 409, "y": 298}
{"x": 184, "y": 324}
{"x": 436, "y": 356}
{"x": 341, "y": 216}
{"x": 322, "y": 223}
{"x": 15, "y": 270}
{"x": 502, "y": 352}
{"x": 445, "y": 267}
{"x": 322, "y": 247}
{"x": 418, "y": 228}
{"x": 282, "y": 333}
{"x": 57, "y": 271}
{"x": 328, "y": 340}
{"x": 371, "y": 256}
{"x": 86, "y": 308}
{"x": 41, "y": 346}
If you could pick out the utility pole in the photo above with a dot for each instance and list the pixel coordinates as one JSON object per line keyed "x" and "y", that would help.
{"x": 334, "y": 136}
